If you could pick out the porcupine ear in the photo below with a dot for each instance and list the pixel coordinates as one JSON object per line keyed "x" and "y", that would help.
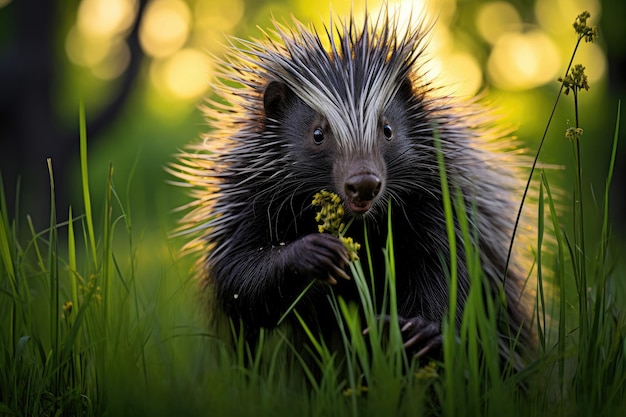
{"x": 406, "y": 88}
{"x": 275, "y": 99}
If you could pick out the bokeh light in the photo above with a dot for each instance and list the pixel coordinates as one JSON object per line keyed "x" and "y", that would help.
{"x": 96, "y": 41}
{"x": 457, "y": 74}
{"x": 496, "y": 19}
{"x": 115, "y": 63}
{"x": 523, "y": 60}
{"x": 164, "y": 27}
{"x": 219, "y": 15}
{"x": 105, "y": 18}
{"x": 213, "y": 21}
{"x": 594, "y": 60}
{"x": 183, "y": 75}
{"x": 84, "y": 51}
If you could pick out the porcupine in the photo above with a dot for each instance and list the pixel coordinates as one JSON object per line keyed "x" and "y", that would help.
{"x": 350, "y": 111}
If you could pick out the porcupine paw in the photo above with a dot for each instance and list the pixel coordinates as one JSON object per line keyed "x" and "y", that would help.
{"x": 320, "y": 256}
{"x": 421, "y": 337}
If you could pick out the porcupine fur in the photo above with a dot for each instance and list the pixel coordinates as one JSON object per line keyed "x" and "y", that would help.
{"x": 347, "y": 110}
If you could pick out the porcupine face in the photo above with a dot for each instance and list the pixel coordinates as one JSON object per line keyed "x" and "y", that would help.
{"x": 358, "y": 174}
{"x": 343, "y": 110}
{"x": 362, "y": 177}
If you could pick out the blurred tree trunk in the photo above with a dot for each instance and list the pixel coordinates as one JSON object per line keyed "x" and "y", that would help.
{"x": 30, "y": 131}
{"x": 28, "y": 128}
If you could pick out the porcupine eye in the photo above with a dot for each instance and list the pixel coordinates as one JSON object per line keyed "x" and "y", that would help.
{"x": 387, "y": 131}
{"x": 318, "y": 136}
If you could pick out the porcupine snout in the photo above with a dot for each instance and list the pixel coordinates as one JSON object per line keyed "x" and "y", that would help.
{"x": 361, "y": 190}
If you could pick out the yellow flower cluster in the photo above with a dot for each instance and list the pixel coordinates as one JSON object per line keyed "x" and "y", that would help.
{"x": 67, "y": 309}
{"x": 575, "y": 80}
{"x": 331, "y": 213}
{"x": 352, "y": 246}
{"x": 573, "y": 133}
{"x": 427, "y": 372}
{"x": 589, "y": 33}
{"x": 91, "y": 288}
{"x": 359, "y": 390}
{"x": 330, "y": 219}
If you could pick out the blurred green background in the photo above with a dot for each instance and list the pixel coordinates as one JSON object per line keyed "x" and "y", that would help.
{"x": 143, "y": 67}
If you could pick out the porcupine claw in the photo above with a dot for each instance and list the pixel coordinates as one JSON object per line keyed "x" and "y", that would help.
{"x": 420, "y": 337}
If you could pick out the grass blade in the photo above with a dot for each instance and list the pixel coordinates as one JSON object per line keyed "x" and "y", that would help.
{"x": 84, "y": 173}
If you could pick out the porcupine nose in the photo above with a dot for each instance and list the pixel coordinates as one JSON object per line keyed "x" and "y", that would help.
{"x": 361, "y": 189}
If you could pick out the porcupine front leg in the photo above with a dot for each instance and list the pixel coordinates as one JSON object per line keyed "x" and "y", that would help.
{"x": 259, "y": 286}
{"x": 318, "y": 256}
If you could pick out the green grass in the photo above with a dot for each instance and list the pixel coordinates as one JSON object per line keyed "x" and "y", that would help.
{"x": 101, "y": 317}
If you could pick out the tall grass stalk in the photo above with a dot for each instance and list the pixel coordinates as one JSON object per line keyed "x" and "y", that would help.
{"x": 586, "y": 34}
{"x": 84, "y": 174}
